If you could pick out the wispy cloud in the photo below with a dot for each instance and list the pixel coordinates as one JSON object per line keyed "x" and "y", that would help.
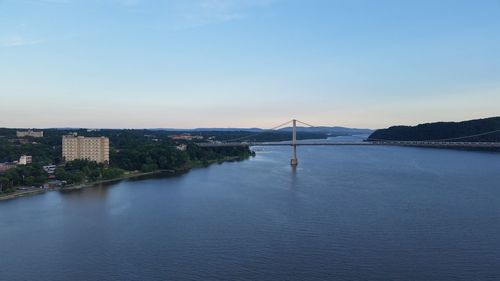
{"x": 17, "y": 41}
{"x": 185, "y": 14}
{"x": 204, "y": 12}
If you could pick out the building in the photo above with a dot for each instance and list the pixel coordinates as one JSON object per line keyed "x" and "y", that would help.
{"x": 79, "y": 147}
{"x": 50, "y": 169}
{"x": 182, "y": 147}
{"x": 25, "y": 160}
{"x": 6, "y": 166}
{"x": 29, "y": 133}
{"x": 53, "y": 184}
{"x": 186, "y": 137}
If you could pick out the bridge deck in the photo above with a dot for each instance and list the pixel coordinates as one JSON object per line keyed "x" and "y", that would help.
{"x": 396, "y": 143}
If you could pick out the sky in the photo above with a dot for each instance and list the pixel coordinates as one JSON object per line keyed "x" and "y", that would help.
{"x": 247, "y": 63}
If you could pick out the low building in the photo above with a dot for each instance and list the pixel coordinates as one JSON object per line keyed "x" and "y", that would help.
{"x": 25, "y": 160}
{"x": 29, "y": 133}
{"x": 85, "y": 148}
{"x": 50, "y": 169}
{"x": 19, "y": 141}
{"x": 182, "y": 147}
{"x": 6, "y": 166}
{"x": 53, "y": 184}
{"x": 186, "y": 137}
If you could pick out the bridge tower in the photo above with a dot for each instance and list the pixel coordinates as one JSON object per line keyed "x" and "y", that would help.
{"x": 294, "y": 161}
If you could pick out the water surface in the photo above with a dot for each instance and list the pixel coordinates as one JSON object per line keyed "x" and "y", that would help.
{"x": 346, "y": 213}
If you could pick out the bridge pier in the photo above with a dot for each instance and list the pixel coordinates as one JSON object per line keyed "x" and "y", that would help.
{"x": 294, "y": 161}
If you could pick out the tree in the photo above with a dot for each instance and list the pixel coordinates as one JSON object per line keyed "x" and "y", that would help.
{"x": 5, "y": 184}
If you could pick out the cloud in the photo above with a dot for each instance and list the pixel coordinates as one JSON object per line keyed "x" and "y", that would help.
{"x": 17, "y": 41}
{"x": 204, "y": 12}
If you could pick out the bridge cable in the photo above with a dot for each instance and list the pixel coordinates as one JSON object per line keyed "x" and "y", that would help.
{"x": 437, "y": 140}
{"x": 304, "y": 123}
{"x": 448, "y": 139}
{"x": 260, "y": 133}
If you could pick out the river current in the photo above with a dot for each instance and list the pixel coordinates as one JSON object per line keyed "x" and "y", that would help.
{"x": 346, "y": 213}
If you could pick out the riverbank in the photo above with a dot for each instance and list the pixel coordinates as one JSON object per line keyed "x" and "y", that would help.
{"x": 22, "y": 193}
{"x": 201, "y": 164}
{"x": 128, "y": 175}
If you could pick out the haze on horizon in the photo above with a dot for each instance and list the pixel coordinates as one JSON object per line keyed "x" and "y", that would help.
{"x": 247, "y": 63}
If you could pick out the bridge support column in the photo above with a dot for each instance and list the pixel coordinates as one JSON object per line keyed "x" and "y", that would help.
{"x": 294, "y": 161}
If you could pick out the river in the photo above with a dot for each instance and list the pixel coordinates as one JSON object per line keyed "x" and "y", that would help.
{"x": 346, "y": 213}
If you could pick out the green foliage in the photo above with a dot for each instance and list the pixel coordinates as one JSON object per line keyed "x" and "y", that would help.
{"x": 443, "y": 130}
{"x": 82, "y": 170}
{"x": 149, "y": 157}
{"x": 149, "y": 167}
{"x": 42, "y": 152}
{"x": 111, "y": 173}
{"x": 6, "y": 185}
{"x": 281, "y": 135}
{"x": 22, "y": 176}
{"x": 206, "y": 154}
{"x": 130, "y": 150}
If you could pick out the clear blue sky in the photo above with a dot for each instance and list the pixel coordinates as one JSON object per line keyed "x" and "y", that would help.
{"x": 247, "y": 63}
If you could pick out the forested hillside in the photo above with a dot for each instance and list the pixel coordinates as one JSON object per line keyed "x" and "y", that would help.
{"x": 130, "y": 150}
{"x": 473, "y": 131}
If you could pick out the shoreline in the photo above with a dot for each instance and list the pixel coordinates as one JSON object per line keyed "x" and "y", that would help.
{"x": 124, "y": 177}
{"x": 129, "y": 175}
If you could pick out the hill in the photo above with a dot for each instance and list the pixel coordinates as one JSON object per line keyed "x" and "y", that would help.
{"x": 263, "y": 135}
{"x": 333, "y": 131}
{"x": 466, "y": 131}
{"x": 336, "y": 130}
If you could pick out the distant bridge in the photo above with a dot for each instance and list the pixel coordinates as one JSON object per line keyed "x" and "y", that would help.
{"x": 441, "y": 144}
{"x": 228, "y": 144}
{"x": 366, "y": 143}
{"x": 445, "y": 143}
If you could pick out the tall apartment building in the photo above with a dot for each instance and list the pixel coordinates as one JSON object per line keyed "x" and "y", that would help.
{"x": 29, "y": 133}
{"x": 92, "y": 149}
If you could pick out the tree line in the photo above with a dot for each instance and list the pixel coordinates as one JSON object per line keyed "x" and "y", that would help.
{"x": 130, "y": 150}
{"x": 443, "y": 131}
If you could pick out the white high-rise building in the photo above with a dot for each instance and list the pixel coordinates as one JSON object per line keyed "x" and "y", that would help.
{"x": 92, "y": 149}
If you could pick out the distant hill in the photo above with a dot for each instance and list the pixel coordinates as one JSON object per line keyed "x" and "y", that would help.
{"x": 262, "y": 135}
{"x": 227, "y": 130}
{"x": 443, "y": 130}
{"x": 330, "y": 130}
{"x": 219, "y": 134}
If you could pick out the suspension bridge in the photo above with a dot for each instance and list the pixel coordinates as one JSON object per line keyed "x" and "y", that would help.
{"x": 441, "y": 143}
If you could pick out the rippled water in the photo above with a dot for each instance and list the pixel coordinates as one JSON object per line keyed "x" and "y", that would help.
{"x": 346, "y": 213}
